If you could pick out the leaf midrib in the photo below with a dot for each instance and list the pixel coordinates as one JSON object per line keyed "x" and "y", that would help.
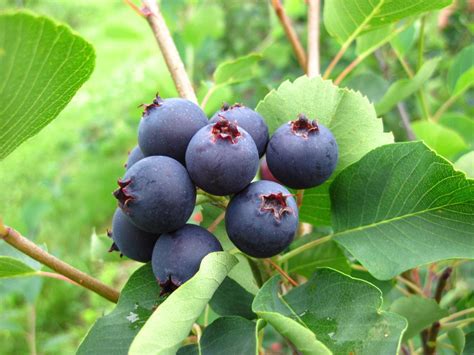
{"x": 397, "y": 218}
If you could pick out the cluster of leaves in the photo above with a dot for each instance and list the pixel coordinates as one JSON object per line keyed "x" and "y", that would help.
{"x": 390, "y": 207}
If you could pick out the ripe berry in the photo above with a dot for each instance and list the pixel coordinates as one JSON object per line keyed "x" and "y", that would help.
{"x": 222, "y": 158}
{"x": 131, "y": 241}
{"x": 262, "y": 219}
{"x": 177, "y": 255}
{"x": 157, "y": 194}
{"x": 168, "y": 125}
{"x": 135, "y": 155}
{"x": 249, "y": 120}
{"x": 302, "y": 154}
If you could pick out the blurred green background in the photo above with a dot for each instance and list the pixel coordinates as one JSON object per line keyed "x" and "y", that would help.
{"x": 56, "y": 187}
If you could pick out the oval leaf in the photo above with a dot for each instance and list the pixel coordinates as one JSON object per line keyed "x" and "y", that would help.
{"x": 466, "y": 164}
{"x": 403, "y": 88}
{"x": 342, "y": 313}
{"x": 461, "y": 72}
{"x": 346, "y": 19}
{"x": 174, "y": 318}
{"x": 113, "y": 333}
{"x": 237, "y": 70}
{"x": 11, "y": 267}
{"x": 349, "y": 115}
{"x": 402, "y": 206}
{"x": 230, "y": 335}
{"x": 42, "y": 65}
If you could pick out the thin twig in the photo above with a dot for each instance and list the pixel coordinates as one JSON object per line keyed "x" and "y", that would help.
{"x": 290, "y": 33}
{"x": 155, "y": 19}
{"x": 212, "y": 227}
{"x": 303, "y": 248}
{"x": 31, "y": 335}
{"x": 462, "y": 313}
{"x": 429, "y": 345}
{"x": 411, "y": 285}
{"x": 314, "y": 9}
{"x": 29, "y": 248}
{"x": 282, "y": 272}
{"x": 446, "y": 105}
{"x": 456, "y": 324}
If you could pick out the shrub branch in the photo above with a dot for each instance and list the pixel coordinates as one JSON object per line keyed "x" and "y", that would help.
{"x": 19, "y": 242}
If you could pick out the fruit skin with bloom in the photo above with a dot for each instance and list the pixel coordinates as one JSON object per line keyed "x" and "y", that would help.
{"x": 302, "y": 154}
{"x": 222, "y": 158}
{"x": 135, "y": 155}
{"x": 262, "y": 219}
{"x": 178, "y": 255}
{"x": 130, "y": 240}
{"x": 167, "y": 126}
{"x": 157, "y": 194}
{"x": 249, "y": 120}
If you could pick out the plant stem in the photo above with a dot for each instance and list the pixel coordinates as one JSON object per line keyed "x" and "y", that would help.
{"x": 29, "y": 248}
{"x": 314, "y": 9}
{"x": 212, "y": 227}
{"x": 457, "y": 315}
{"x": 411, "y": 285}
{"x": 299, "y": 198}
{"x": 282, "y": 272}
{"x": 303, "y": 248}
{"x": 421, "y": 43}
{"x": 31, "y": 335}
{"x": 53, "y": 275}
{"x": 430, "y": 337}
{"x": 157, "y": 23}
{"x": 208, "y": 95}
{"x": 458, "y": 323}
{"x": 446, "y": 105}
{"x": 405, "y": 118}
{"x": 290, "y": 33}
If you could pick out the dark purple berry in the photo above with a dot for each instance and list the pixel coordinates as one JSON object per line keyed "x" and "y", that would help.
{"x": 249, "y": 120}
{"x": 222, "y": 158}
{"x": 157, "y": 194}
{"x": 135, "y": 155}
{"x": 177, "y": 255}
{"x": 131, "y": 241}
{"x": 262, "y": 219}
{"x": 168, "y": 125}
{"x": 302, "y": 153}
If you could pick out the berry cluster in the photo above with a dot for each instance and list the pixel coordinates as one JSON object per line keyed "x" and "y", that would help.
{"x": 179, "y": 150}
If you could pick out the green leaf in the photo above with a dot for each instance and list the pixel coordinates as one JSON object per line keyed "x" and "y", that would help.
{"x": 328, "y": 254}
{"x": 349, "y": 115}
{"x": 369, "y": 84}
{"x": 230, "y": 335}
{"x": 171, "y": 322}
{"x": 457, "y": 339}
{"x": 42, "y": 65}
{"x": 237, "y": 70}
{"x": 403, "y": 88}
{"x": 469, "y": 347}
{"x": 460, "y": 123}
{"x": 461, "y": 72}
{"x": 113, "y": 333}
{"x": 346, "y": 19}
{"x": 332, "y": 312}
{"x": 403, "y": 42}
{"x": 402, "y": 206}
{"x": 444, "y": 141}
{"x": 192, "y": 349}
{"x": 420, "y": 313}
{"x": 11, "y": 267}
{"x": 466, "y": 164}
{"x": 197, "y": 26}
{"x": 235, "y": 295}
{"x": 99, "y": 248}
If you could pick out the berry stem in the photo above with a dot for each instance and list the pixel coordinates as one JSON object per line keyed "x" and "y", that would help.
{"x": 152, "y": 13}
{"x": 282, "y": 272}
{"x": 19, "y": 242}
{"x": 213, "y": 226}
{"x": 290, "y": 33}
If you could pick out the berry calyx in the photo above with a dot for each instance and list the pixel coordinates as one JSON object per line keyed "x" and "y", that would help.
{"x": 169, "y": 285}
{"x": 276, "y": 204}
{"x": 122, "y": 194}
{"x": 157, "y": 102}
{"x": 302, "y": 126}
{"x": 225, "y": 130}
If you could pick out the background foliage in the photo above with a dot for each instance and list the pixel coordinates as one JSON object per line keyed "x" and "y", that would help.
{"x": 56, "y": 186}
